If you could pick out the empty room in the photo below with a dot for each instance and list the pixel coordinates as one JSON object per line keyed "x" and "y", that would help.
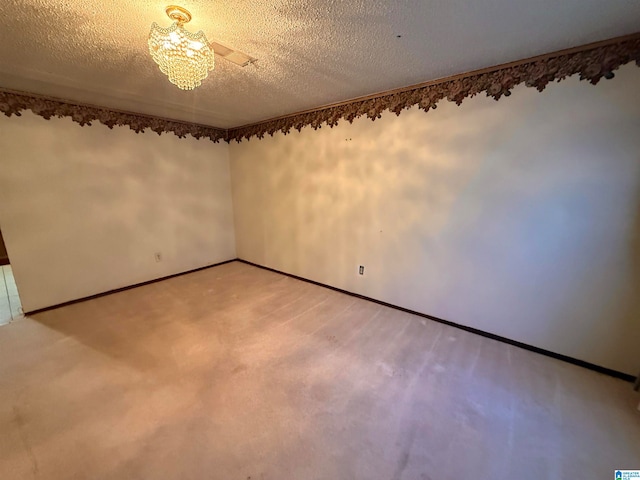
{"x": 312, "y": 239}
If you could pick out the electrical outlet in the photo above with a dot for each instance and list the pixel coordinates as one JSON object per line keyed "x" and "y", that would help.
{"x": 361, "y": 270}
{"x": 158, "y": 256}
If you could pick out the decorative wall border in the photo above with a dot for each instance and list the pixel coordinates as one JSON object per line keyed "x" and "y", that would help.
{"x": 593, "y": 62}
{"x": 13, "y": 103}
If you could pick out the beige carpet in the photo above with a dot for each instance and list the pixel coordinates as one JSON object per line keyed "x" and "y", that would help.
{"x": 235, "y": 372}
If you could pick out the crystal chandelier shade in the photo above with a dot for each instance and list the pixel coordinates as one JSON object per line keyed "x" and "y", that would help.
{"x": 185, "y": 57}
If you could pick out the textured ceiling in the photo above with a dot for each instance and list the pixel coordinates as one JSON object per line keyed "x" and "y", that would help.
{"x": 310, "y": 52}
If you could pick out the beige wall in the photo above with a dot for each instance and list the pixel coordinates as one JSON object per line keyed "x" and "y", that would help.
{"x": 519, "y": 217}
{"x": 84, "y": 209}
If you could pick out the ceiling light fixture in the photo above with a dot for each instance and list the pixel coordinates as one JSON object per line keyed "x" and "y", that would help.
{"x": 185, "y": 57}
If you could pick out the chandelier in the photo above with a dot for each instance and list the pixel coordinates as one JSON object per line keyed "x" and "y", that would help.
{"x": 185, "y": 57}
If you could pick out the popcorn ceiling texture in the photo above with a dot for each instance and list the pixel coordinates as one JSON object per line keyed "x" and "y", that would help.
{"x": 310, "y": 52}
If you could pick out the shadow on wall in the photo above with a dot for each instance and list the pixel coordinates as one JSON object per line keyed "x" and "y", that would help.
{"x": 4, "y": 257}
{"x": 510, "y": 217}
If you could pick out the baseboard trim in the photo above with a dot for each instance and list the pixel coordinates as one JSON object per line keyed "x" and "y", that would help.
{"x": 122, "y": 289}
{"x": 558, "y": 356}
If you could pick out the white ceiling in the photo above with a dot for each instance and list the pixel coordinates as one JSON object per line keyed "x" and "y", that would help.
{"x": 310, "y": 52}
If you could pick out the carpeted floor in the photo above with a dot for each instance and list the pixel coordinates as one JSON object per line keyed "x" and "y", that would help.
{"x": 235, "y": 372}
